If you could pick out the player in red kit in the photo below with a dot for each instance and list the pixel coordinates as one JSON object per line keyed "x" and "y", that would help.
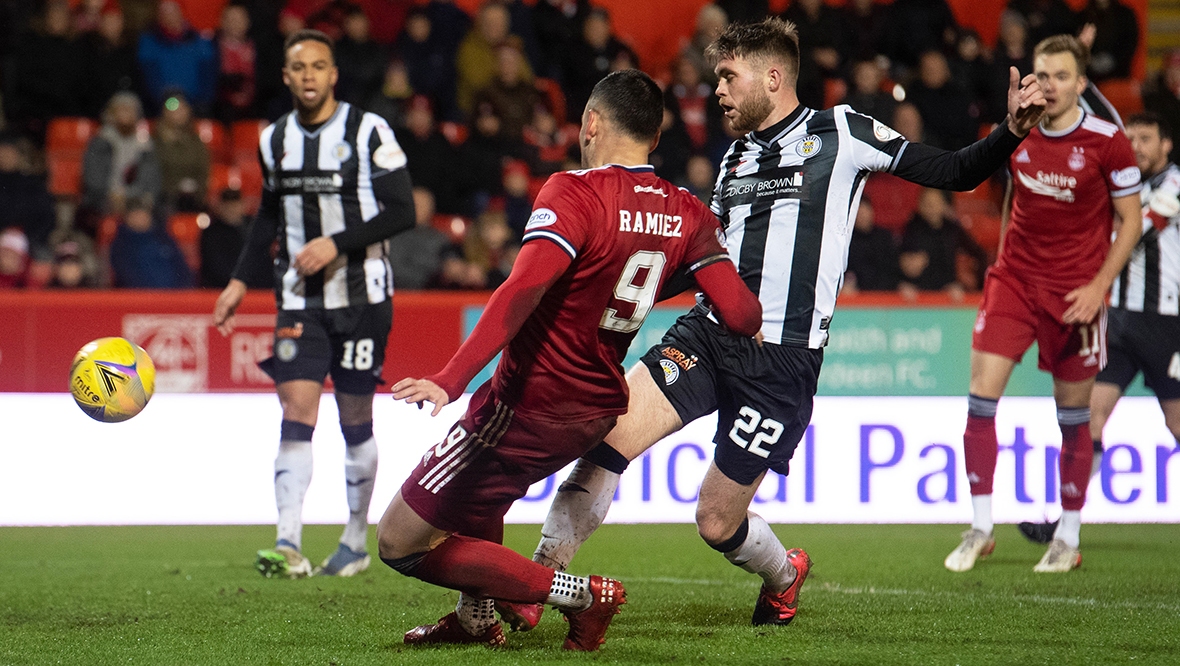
{"x": 1055, "y": 266}
{"x": 600, "y": 245}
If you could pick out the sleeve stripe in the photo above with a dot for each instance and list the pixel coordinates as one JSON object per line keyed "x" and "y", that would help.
{"x": 561, "y": 242}
{"x": 707, "y": 261}
{"x": 1126, "y": 191}
{"x": 897, "y": 159}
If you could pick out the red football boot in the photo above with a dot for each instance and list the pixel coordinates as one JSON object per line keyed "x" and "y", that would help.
{"x": 588, "y": 627}
{"x": 521, "y": 617}
{"x": 448, "y": 630}
{"x": 780, "y": 608}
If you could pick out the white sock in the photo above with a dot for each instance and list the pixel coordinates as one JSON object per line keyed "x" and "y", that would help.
{"x": 983, "y": 513}
{"x": 292, "y": 477}
{"x": 360, "y": 471}
{"x": 1069, "y": 529}
{"x": 763, "y": 554}
{"x": 475, "y": 614}
{"x": 578, "y": 508}
{"x": 569, "y": 592}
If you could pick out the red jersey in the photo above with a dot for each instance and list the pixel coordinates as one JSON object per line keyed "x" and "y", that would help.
{"x": 1062, "y": 184}
{"x": 627, "y": 231}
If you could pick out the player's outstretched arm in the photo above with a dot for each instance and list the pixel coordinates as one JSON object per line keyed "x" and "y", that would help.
{"x": 733, "y": 302}
{"x": 1086, "y": 301}
{"x": 966, "y": 168}
{"x": 539, "y": 264}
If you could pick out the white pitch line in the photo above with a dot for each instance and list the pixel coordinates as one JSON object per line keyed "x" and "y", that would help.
{"x": 837, "y": 588}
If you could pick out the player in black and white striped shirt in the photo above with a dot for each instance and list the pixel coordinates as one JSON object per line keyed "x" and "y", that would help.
{"x": 787, "y": 195}
{"x": 1143, "y": 322}
{"x": 336, "y": 189}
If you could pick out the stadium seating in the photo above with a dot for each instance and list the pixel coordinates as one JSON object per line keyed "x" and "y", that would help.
{"x": 244, "y": 140}
{"x": 68, "y": 136}
{"x": 65, "y": 144}
{"x": 212, "y": 134}
{"x": 1124, "y": 94}
{"x": 456, "y": 133}
{"x": 454, "y": 226}
{"x": 185, "y": 229}
{"x": 556, "y": 97}
{"x": 65, "y": 175}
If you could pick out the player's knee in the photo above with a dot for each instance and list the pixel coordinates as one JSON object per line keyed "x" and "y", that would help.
{"x": 388, "y": 546}
{"x": 714, "y": 527}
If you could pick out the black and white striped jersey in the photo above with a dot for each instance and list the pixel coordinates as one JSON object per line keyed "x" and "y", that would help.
{"x": 787, "y": 197}
{"x": 1150, "y": 282}
{"x": 323, "y": 180}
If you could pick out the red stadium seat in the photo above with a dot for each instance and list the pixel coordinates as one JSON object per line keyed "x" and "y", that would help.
{"x": 894, "y": 200}
{"x": 454, "y": 226}
{"x": 107, "y": 227}
{"x": 1124, "y": 94}
{"x": 212, "y": 134}
{"x": 186, "y": 229}
{"x": 984, "y": 228}
{"x": 835, "y": 90}
{"x": 65, "y": 175}
{"x": 244, "y": 140}
{"x": 68, "y": 136}
{"x": 456, "y": 133}
{"x": 246, "y": 177}
{"x": 556, "y": 97}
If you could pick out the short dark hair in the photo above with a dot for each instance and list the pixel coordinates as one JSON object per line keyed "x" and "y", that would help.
{"x": 773, "y": 39}
{"x": 632, "y": 101}
{"x": 1150, "y": 118}
{"x": 1065, "y": 44}
{"x": 308, "y": 35}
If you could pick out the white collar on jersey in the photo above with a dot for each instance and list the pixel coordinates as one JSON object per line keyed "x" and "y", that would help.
{"x": 1067, "y": 130}
{"x": 341, "y": 107}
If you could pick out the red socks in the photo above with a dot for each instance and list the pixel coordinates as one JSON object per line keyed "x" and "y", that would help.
{"x": 1077, "y": 455}
{"x": 485, "y": 570}
{"x": 980, "y": 449}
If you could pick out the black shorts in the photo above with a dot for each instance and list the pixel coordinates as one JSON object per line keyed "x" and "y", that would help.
{"x": 1143, "y": 342}
{"x": 347, "y": 343}
{"x": 763, "y": 395}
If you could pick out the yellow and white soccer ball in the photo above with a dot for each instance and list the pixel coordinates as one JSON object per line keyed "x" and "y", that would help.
{"x": 112, "y": 379}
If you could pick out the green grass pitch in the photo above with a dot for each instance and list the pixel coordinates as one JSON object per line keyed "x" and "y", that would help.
{"x": 876, "y": 595}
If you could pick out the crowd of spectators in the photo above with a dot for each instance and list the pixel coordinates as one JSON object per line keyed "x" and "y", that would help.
{"x": 486, "y": 106}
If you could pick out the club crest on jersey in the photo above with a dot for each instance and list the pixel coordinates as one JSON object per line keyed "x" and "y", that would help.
{"x": 342, "y": 151}
{"x": 671, "y": 371}
{"x": 1077, "y": 160}
{"x": 808, "y": 146}
{"x": 542, "y": 217}
{"x": 286, "y": 350}
{"x": 883, "y": 132}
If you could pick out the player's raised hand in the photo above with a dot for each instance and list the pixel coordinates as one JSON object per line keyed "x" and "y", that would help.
{"x": 227, "y": 303}
{"x": 1026, "y": 102}
{"x": 1084, "y": 304}
{"x": 419, "y": 390}
{"x": 318, "y": 252}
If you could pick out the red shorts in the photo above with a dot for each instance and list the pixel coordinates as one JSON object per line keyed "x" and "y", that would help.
{"x": 1014, "y": 314}
{"x": 467, "y": 482}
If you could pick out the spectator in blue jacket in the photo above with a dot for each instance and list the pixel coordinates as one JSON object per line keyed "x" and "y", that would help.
{"x": 144, "y": 256}
{"x": 173, "y": 55}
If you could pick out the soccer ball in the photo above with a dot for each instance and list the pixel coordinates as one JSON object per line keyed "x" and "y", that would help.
{"x": 112, "y": 379}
